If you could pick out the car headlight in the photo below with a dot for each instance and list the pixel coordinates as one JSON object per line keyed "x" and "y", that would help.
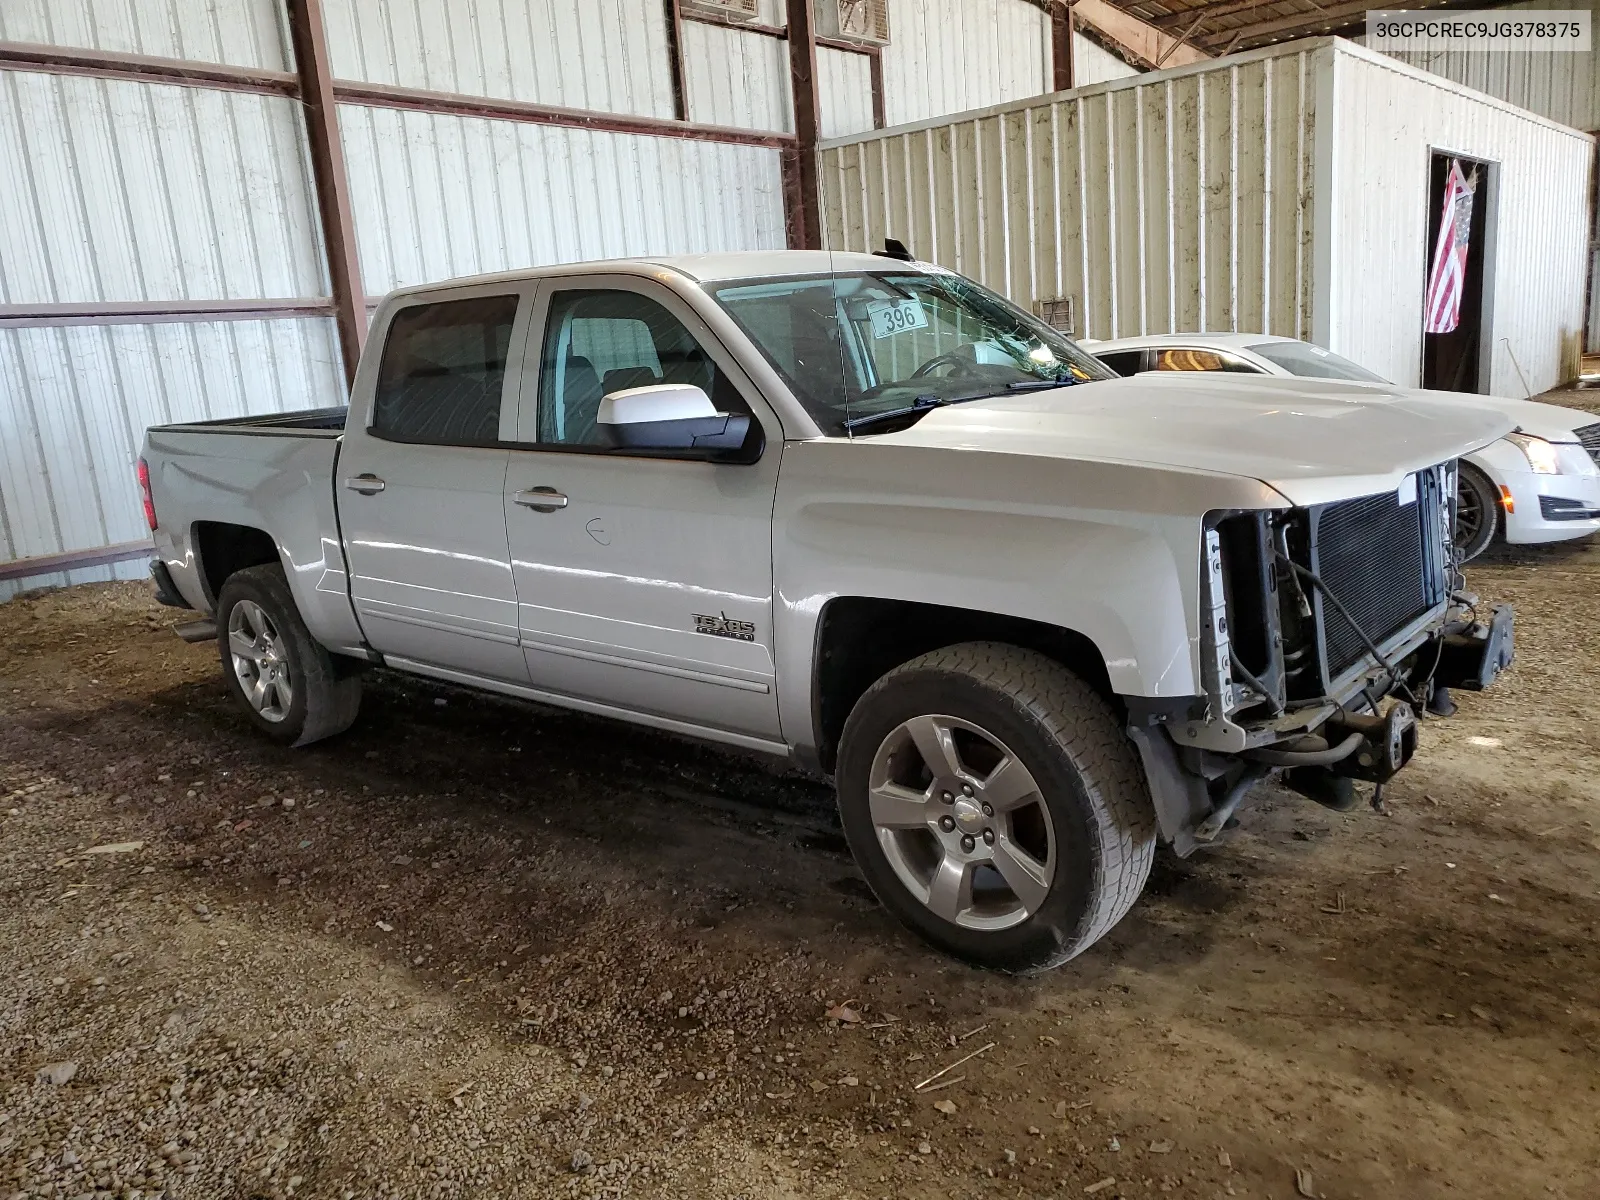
{"x": 1541, "y": 455}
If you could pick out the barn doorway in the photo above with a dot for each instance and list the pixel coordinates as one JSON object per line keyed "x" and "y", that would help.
{"x": 1455, "y": 337}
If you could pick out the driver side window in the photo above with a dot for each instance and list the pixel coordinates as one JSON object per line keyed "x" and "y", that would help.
{"x": 598, "y": 342}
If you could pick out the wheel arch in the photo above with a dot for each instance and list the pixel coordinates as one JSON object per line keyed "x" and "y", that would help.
{"x": 222, "y": 549}
{"x": 859, "y": 639}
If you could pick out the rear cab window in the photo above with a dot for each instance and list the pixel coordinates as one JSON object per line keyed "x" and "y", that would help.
{"x": 442, "y": 374}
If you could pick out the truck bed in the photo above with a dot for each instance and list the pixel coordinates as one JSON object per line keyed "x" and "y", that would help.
{"x": 304, "y": 421}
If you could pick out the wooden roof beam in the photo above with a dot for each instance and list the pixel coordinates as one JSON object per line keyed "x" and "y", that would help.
{"x": 1136, "y": 37}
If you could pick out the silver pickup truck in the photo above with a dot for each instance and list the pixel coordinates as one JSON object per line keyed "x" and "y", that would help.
{"x": 860, "y": 512}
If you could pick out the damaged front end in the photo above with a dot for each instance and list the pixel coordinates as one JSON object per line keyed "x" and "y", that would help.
{"x": 1327, "y": 634}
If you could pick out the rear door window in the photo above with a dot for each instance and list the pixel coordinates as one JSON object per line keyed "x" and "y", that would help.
{"x": 1123, "y": 362}
{"x": 443, "y": 372}
{"x": 1187, "y": 359}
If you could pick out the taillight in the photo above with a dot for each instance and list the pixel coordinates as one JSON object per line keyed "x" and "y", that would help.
{"x": 144, "y": 494}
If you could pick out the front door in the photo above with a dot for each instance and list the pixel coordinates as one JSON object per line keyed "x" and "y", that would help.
{"x": 421, "y": 489}
{"x": 644, "y": 581}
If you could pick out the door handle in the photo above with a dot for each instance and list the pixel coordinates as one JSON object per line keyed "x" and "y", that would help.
{"x": 367, "y": 485}
{"x": 541, "y": 499}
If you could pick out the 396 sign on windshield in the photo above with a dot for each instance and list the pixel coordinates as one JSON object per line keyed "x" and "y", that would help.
{"x": 896, "y": 316}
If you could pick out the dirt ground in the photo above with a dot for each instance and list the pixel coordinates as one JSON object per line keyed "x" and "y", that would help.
{"x": 475, "y": 949}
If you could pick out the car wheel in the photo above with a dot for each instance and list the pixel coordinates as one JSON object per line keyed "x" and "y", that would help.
{"x": 289, "y": 686}
{"x": 1477, "y": 512}
{"x": 995, "y": 805}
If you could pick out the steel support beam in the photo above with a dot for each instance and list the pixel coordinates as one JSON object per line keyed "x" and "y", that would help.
{"x": 332, "y": 184}
{"x": 74, "y": 560}
{"x": 144, "y": 68}
{"x": 680, "y": 84}
{"x": 1062, "y": 71}
{"x": 805, "y": 217}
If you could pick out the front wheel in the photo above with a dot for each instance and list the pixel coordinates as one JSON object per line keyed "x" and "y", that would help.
{"x": 289, "y": 686}
{"x": 1477, "y": 512}
{"x": 995, "y": 806}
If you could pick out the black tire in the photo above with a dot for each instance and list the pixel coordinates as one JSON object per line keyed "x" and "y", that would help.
{"x": 325, "y": 691}
{"x": 1088, "y": 778}
{"x": 1477, "y": 512}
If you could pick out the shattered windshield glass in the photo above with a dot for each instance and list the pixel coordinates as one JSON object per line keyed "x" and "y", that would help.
{"x": 861, "y": 350}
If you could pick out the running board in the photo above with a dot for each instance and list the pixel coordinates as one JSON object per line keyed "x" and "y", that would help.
{"x": 197, "y": 631}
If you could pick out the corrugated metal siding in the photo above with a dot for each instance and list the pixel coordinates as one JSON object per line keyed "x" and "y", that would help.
{"x": 1092, "y": 64}
{"x": 844, "y": 83}
{"x": 1563, "y": 87}
{"x": 1389, "y": 118}
{"x": 1171, "y": 202}
{"x": 948, "y": 56}
{"x": 74, "y": 404}
{"x": 243, "y": 33}
{"x": 440, "y": 196}
{"x": 605, "y": 55}
{"x": 129, "y": 191}
{"x": 734, "y": 78}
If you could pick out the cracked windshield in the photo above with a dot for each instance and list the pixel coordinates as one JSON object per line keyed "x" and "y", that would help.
{"x": 872, "y": 351}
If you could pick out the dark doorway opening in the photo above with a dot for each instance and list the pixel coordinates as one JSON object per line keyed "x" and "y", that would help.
{"x": 1453, "y": 361}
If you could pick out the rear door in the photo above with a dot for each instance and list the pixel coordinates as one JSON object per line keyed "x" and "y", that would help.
{"x": 422, "y": 485}
{"x": 644, "y": 579}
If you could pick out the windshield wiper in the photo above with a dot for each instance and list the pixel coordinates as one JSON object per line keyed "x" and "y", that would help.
{"x": 919, "y": 405}
{"x": 1036, "y": 385}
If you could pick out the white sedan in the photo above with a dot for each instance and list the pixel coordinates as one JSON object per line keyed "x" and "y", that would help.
{"x": 1539, "y": 484}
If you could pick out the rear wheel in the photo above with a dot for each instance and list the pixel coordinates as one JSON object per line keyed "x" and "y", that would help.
{"x": 1477, "y": 512}
{"x": 995, "y": 806}
{"x": 291, "y": 688}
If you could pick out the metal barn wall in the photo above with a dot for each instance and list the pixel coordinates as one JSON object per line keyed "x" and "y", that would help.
{"x": 75, "y": 401}
{"x": 1174, "y": 201}
{"x": 1564, "y": 87}
{"x": 123, "y": 191}
{"x": 948, "y": 56}
{"x": 242, "y": 33}
{"x": 737, "y": 78}
{"x": 135, "y": 191}
{"x": 1388, "y": 118}
{"x": 437, "y": 196}
{"x": 844, "y": 85}
{"x": 605, "y": 55}
{"x": 1094, "y": 64}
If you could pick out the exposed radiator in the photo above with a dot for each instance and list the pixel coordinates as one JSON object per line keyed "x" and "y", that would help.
{"x": 1384, "y": 560}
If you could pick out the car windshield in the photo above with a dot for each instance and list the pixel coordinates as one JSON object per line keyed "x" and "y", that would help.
{"x": 854, "y": 347}
{"x": 1313, "y": 362}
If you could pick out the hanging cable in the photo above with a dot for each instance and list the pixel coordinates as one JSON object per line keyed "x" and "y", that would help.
{"x": 1372, "y": 647}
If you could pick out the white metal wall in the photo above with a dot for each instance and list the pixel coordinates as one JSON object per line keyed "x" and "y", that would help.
{"x": 74, "y": 404}
{"x": 242, "y": 33}
{"x": 1388, "y": 119}
{"x": 1564, "y": 87}
{"x": 948, "y": 56}
{"x": 1093, "y": 64}
{"x": 606, "y": 55}
{"x": 121, "y": 191}
{"x": 737, "y": 78}
{"x": 1171, "y": 202}
{"x": 437, "y": 196}
{"x": 844, "y": 86}
{"x": 134, "y": 191}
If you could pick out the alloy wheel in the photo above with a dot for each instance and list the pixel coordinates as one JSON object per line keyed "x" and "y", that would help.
{"x": 260, "y": 660}
{"x": 962, "y": 822}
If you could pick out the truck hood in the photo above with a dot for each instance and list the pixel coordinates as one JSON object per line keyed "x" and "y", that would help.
{"x": 1312, "y": 440}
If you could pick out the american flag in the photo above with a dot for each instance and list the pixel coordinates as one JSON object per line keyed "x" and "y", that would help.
{"x": 1449, "y": 273}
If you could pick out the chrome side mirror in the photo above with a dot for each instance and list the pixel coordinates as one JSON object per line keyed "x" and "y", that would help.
{"x": 668, "y": 416}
